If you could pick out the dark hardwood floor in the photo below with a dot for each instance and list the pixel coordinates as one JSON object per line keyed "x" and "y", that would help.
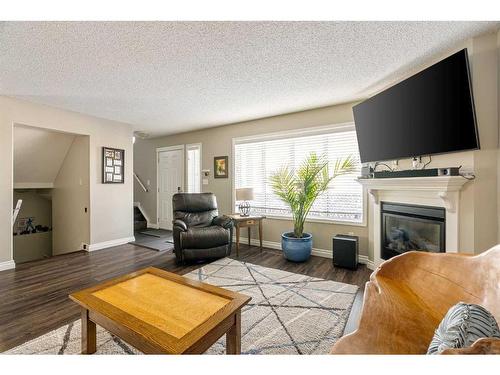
{"x": 34, "y": 296}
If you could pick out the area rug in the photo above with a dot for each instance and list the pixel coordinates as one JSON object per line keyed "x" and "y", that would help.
{"x": 289, "y": 314}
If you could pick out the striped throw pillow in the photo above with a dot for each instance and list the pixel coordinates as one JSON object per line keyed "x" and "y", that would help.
{"x": 462, "y": 325}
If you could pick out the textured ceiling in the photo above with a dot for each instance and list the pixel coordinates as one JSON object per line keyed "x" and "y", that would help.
{"x": 168, "y": 77}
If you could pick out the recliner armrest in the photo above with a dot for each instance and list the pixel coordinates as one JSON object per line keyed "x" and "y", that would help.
{"x": 223, "y": 221}
{"x": 180, "y": 224}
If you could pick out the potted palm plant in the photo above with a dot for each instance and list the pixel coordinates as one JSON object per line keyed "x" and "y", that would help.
{"x": 299, "y": 189}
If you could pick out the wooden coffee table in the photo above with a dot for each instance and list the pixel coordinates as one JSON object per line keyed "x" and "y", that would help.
{"x": 161, "y": 312}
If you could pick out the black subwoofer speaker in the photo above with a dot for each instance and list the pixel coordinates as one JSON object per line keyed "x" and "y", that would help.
{"x": 345, "y": 251}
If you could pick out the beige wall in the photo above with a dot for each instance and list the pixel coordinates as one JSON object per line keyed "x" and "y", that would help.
{"x": 218, "y": 142}
{"x": 110, "y": 205}
{"x": 38, "y": 154}
{"x": 32, "y": 247}
{"x": 70, "y": 197}
{"x": 498, "y": 139}
{"x": 485, "y": 83}
{"x": 478, "y": 203}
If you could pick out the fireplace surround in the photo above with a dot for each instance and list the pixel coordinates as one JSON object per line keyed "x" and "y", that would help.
{"x": 406, "y": 227}
{"x": 439, "y": 192}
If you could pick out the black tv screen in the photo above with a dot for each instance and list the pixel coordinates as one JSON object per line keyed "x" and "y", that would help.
{"x": 429, "y": 113}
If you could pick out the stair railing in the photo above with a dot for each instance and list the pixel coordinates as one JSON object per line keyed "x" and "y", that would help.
{"x": 140, "y": 183}
{"x": 16, "y": 211}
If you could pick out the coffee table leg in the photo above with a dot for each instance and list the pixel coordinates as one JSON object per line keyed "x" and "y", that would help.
{"x": 233, "y": 336}
{"x": 88, "y": 334}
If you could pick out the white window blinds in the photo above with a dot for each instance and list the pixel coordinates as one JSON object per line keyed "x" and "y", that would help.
{"x": 255, "y": 160}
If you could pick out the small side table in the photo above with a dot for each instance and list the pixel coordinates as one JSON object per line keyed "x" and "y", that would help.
{"x": 248, "y": 222}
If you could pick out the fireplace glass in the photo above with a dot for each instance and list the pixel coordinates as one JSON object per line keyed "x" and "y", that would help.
{"x": 409, "y": 228}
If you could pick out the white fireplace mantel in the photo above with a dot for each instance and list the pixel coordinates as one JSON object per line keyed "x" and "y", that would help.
{"x": 439, "y": 191}
{"x": 439, "y": 185}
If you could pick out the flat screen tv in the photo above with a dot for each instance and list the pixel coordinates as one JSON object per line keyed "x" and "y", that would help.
{"x": 431, "y": 112}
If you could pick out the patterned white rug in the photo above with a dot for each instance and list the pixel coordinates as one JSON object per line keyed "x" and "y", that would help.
{"x": 288, "y": 314}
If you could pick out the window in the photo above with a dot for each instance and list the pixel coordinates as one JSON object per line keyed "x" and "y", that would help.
{"x": 255, "y": 159}
{"x": 193, "y": 155}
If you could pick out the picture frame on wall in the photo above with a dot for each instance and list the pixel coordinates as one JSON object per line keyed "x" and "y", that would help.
{"x": 221, "y": 167}
{"x": 113, "y": 165}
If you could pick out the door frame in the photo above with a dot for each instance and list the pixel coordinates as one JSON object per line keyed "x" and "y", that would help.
{"x": 183, "y": 167}
{"x": 199, "y": 146}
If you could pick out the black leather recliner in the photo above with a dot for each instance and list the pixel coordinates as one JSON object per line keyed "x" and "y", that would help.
{"x": 199, "y": 231}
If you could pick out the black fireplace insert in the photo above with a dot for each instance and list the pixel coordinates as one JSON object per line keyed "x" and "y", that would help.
{"x": 410, "y": 227}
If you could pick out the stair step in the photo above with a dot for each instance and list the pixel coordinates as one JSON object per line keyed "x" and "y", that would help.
{"x": 138, "y": 225}
{"x": 138, "y": 214}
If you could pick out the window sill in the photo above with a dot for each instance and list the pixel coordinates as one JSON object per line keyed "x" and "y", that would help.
{"x": 322, "y": 221}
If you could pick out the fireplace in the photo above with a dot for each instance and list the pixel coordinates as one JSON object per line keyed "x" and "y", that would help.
{"x": 410, "y": 227}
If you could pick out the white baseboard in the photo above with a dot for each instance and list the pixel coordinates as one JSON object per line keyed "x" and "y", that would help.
{"x": 106, "y": 244}
{"x": 153, "y": 225}
{"x": 363, "y": 259}
{"x": 7, "y": 265}
{"x": 255, "y": 242}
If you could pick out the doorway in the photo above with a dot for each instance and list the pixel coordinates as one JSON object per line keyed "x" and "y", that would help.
{"x": 170, "y": 177}
{"x": 51, "y": 188}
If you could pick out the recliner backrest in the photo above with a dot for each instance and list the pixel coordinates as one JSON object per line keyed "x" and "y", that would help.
{"x": 195, "y": 209}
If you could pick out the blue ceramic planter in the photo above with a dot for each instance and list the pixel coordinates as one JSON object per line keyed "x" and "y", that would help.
{"x": 296, "y": 249}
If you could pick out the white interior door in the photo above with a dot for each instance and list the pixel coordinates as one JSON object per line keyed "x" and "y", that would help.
{"x": 170, "y": 181}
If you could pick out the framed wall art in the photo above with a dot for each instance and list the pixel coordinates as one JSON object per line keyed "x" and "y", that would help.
{"x": 113, "y": 165}
{"x": 221, "y": 167}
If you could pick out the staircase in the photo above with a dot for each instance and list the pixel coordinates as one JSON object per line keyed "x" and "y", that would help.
{"x": 139, "y": 220}
{"x": 16, "y": 210}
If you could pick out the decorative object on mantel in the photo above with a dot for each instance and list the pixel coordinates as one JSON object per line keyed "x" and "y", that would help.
{"x": 244, "y": 195}
{"x": 299, "y": 190}
{"x": 221, "y": 167}
{"x": 113, "y": 165}
{"x": 431, "y": 172}
{"x": 408, "y": 295}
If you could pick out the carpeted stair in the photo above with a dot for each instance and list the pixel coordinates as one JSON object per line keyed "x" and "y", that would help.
{"x": 139, "y": 220}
